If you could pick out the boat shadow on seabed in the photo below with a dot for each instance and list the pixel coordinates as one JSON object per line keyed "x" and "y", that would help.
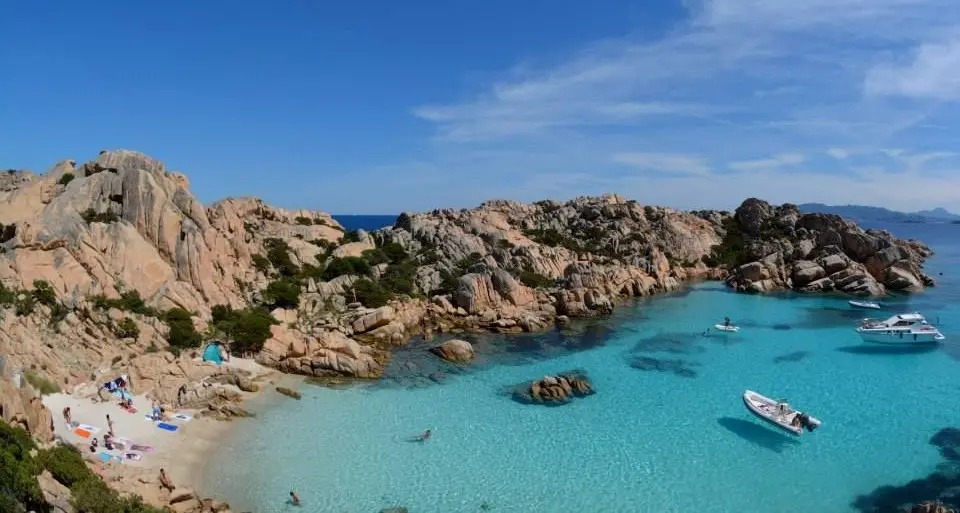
{"x": 757, "y": 434}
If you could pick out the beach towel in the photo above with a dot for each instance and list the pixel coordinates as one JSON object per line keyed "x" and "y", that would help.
{"x": 110, "y": 386}
{"x": 122, "y": 394}
{"x": 82, "y": 433}
{"x": 106, "y": 457}
{"x": 167, "y": 427}
{"x": 183, "y": 416}
{"x": 133, "y": 456}
{"x": 141, "y": 448}
{"x": 88, "y": 427}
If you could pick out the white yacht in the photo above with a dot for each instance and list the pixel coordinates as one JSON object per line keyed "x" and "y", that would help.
{"x": 905, "y": 328}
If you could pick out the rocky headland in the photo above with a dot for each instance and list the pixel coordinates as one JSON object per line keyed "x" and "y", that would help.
{"x": 112, "y": 266}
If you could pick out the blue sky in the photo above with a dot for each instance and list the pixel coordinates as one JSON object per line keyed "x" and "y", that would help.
{"x": 379, "y": 107}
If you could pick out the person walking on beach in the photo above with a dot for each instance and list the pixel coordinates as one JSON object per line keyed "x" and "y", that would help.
{"x": 165, "y": 481}
{"x": 109, "y": 425}
{"x": 66, "y": 417}
{"x": 294, "y": 498}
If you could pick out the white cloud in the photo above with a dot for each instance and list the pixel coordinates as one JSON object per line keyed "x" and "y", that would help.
{"x": 933, "y": 72}
{"x": 774, "y": 162}
{"x": 838, "y": 153}
{"x": 664, "y": 162}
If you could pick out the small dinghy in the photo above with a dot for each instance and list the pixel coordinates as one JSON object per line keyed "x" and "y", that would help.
{"x": 779, "y": 413}
{"x": 870, "y": 305}
{"x": 724, "y": 327}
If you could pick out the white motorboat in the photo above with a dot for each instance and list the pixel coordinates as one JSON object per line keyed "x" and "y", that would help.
{"x": 871, "y": 305}
{"x": 727, "y": 327}
{"x": 779, "y": 413}
{"x": 901, "y": 329}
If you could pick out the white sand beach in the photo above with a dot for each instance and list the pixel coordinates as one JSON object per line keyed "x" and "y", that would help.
{"x": 181, "y": 453}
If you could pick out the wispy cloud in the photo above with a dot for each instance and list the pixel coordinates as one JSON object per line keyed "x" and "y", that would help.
{"x": 775, "y": 162}
{"x": 664, "y": 162}
{"x": 779, "y": 90}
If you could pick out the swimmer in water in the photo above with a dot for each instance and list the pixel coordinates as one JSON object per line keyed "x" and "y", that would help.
{"x": 294, "y": 498}
{"x": 422, "y": 437}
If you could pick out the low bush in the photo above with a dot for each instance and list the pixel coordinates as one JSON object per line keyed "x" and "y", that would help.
{"x": 370, "y": 293}
{"x": 247, "y": 329}
{"x": 66, "y": 178}
{"x": 532, "y": 279}
{"x": 43, "y": 293}
{"x": 40, "y": 383}
{"x": 182, "y": 334}
{"x": 126, "y": 328}
{"x": 7, "y": 232}
{"x": 92, "y": 216}
{"x": 282, "y": 293}
{"x": 346, "y": 265}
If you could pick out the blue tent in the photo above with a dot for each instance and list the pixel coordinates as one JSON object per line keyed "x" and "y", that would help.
{"x": 212, "y": 353}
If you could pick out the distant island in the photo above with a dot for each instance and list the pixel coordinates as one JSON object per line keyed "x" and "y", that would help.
{"x": 868, "y": 213}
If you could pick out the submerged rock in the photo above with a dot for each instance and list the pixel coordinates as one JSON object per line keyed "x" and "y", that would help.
{"x": 559, "y": 389}
{"x": 289, "y": 392}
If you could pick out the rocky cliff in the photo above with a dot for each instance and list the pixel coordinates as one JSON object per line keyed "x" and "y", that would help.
{"x": 107, "y": 265}
{"x": 771, "y": 248}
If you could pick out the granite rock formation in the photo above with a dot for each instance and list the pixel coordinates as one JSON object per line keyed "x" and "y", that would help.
{"x": 456, "y": 351}
{"x": 777, "y": 247}
{"x": 92, "y": 255}
{"x": 554, "y": 390}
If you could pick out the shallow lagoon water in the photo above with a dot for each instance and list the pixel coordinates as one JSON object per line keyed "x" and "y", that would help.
{"x": 666, "y": 430}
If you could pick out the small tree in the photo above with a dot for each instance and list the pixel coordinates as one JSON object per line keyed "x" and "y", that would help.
{"x": 283, "y": 293}
{"x": 183, "y": 334}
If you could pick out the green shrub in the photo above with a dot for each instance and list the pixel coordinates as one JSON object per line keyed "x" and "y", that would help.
{"x": 248, "y": 329}
{"x": 66, "y": 178}
{"x": 278, "y": 253}
{"x": 129, "y": 301}
{"x": 395, "y": 253}
{"x": 220, "y": 313}
{"x": 731, "y": 252}
{"x": 261, "y": 263}
{"x": 18, "y": 471}
{"x": 43, "y": 292}
{"x": 283, "y": 294}
{"x": 58, "y": 312}
{"x": 350, "y": 236}
{"x": 346, "y": 265}
{"x": 311, "y": 271}
{"x": 469, "y": 261}
{"x": 370, "y": 294}
{"x": 40, "y": 383}
{"x": 449, "y": 283}
{"x": 182, "y": 335}
{"x": 25, "y": 305}
{"x": 306, "y": 221}
{"x": 375, "y": 256}
{"x": 8, "y": 297}
{"x": 549, "y": 237}
{"x": 126, "y": 328}
{"x": 532, "y": 279}
{"x": 399, "y": 278}
{"x": 92, "y": 216}
{"x": 65, "y": 463}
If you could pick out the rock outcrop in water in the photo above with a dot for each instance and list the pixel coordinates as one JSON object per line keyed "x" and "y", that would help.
{"x": 456, "y": 351}
{"x": 776, "y": 248}
{"x": 554, "y": 390}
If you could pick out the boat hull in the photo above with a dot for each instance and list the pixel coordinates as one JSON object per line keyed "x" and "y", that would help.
{"x": 730, "y": 329}
{"x": 762, "y": 415}
{"x": 901, "y": 338}
{"x": 864, "y": 304}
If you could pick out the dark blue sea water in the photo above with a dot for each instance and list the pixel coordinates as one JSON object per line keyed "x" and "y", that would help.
{"x": 666, "y": 431}
{"x": 364, "y": 222}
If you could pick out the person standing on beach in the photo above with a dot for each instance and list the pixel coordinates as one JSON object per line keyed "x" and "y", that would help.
{"x": 109, "y": 425}
{"x": 66, "y": 416}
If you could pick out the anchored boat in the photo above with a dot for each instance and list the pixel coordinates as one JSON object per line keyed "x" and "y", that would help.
{"x": 870, "y": 305}
{"x": 779, "y": 413}
{"x": 901, "y": 329}
{"x": 727, "y": 327}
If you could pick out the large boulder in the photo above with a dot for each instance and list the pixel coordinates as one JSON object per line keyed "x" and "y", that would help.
{"x": 456, "y": 350}
{"x": 553, "y": 390}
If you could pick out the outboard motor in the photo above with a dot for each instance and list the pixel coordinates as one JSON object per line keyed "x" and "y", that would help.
{"x": 808, "y": 423}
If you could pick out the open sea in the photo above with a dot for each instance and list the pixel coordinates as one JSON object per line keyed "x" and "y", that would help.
{"x": 666, "y": 431}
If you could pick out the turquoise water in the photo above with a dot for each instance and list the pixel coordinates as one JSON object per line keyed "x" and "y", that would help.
{"x": 672, "y": 435}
